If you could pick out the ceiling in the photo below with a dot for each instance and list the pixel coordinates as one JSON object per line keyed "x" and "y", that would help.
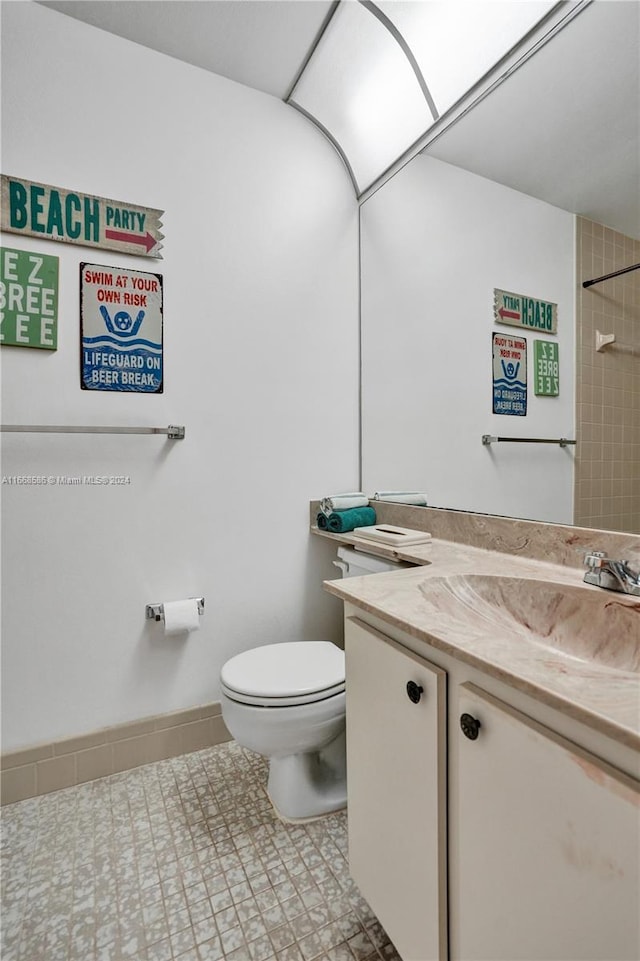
{"x": 563, "y": 128}
{"x": 260, "y": 43}
{"x": 566, "y": 126}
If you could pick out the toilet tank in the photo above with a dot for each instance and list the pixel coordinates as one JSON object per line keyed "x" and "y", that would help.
{"x": 354, "y": 563}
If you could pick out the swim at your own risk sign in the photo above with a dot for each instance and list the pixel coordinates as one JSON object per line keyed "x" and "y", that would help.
{"x": 121, "y": 329}
{"x": 509, "y": 375}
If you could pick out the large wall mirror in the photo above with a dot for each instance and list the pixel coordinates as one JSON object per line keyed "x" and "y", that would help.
{"x": 533, "y": 190}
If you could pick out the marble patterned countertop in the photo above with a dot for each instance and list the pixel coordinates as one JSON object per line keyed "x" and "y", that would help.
{"x": 569, "y": 645}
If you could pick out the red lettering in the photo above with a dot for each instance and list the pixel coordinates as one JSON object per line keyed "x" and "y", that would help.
{"x": 108, "y": 296}
{"x": 145, "y": 283}
{"x": 98, "y": 277}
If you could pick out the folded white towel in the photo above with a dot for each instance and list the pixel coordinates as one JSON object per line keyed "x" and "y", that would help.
{"x": 416, "y": 498}
{"x": 343, "y": 502}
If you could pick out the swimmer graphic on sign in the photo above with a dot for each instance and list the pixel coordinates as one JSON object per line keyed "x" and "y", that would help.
{"x": 126, "y": 326}
{"x": 510, "y": 371}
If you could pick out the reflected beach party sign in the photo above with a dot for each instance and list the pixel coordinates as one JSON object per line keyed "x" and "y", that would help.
{"x": 121, "y": 329}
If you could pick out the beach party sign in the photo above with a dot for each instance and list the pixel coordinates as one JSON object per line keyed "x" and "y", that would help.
{"x": 121, "y": 329}
{"x": 56, "y": 213}
{"x": 518, "y": 310}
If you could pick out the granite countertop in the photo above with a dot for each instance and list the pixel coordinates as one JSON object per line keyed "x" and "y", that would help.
{"x": 455, "y": 602}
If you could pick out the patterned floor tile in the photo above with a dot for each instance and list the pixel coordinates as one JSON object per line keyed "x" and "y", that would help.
{"x": 182, "y": 860}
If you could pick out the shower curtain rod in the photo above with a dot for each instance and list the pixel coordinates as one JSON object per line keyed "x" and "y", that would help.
{"x": 616, "y": 273}
{"x": 173, "y": 432}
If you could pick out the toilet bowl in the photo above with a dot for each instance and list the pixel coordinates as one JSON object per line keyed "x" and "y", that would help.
{"x": 287, "y": 702}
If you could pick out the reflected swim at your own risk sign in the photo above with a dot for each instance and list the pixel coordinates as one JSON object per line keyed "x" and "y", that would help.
{"x": 509, "y": 375}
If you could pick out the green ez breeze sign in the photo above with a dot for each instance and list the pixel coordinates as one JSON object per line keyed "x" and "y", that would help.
{"x": 28, "y": 299}
{"x": 546, "y": 369}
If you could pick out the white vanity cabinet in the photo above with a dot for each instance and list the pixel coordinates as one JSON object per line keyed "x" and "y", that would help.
{"x": 541, "y": 856}
{"x": 396, "y": 754}
{"x": 545, "y": 863}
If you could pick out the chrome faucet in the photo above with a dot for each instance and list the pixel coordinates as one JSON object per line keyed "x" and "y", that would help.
{"x": 610, "y": 574}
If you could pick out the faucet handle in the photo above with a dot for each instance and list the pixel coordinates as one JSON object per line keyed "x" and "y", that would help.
{"x": 594, "y": 559}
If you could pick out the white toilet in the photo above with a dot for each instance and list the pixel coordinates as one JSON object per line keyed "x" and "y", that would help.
{"x": 287, "y": 702}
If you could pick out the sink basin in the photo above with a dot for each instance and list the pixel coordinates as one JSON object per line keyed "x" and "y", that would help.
{"x": 599, "y": 627}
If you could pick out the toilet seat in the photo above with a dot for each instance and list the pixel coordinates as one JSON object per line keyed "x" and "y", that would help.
{"x": 287, "y": 674}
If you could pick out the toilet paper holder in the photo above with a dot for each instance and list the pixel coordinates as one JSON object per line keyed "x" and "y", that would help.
{"x": 155, "y": 612}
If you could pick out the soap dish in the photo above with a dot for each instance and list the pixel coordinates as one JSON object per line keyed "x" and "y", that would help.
{"x": 388, "y": 534}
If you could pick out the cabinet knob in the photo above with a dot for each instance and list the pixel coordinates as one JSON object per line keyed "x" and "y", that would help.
{"x": 414, "y": 691}
{"x": 470, "y": 726}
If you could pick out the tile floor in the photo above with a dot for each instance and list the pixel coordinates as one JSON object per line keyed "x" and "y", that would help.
{"x": 182, "y": 859}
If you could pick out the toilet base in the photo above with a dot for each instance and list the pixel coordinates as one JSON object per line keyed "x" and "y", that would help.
{"x": 308, "y": 820}
{"x": 307, "y": 786}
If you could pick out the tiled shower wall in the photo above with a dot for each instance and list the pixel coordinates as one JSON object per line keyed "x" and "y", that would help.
{"x": 607, "y": 485}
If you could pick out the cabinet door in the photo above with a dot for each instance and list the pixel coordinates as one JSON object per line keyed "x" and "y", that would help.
{"x": 396, "y": 788}
{"x": 545, "y": 844}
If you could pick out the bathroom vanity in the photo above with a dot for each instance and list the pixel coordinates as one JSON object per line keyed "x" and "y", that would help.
{"x": 493, "y": 735}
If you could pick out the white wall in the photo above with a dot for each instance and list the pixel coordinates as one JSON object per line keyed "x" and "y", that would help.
{"x": 436, "y": 241}
{"x": 260, "y": 279}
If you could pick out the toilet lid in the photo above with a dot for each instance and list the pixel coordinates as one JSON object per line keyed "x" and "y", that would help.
{"x": 293, "y": 672}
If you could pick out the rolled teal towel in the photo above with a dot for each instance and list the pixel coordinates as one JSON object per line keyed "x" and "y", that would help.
{"x": 339, "y": 522}
{"x": 321, "y": 521}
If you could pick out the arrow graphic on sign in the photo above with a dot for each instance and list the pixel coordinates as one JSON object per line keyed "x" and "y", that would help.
{"x": 515, "y": 315}
{"x": 148, "y": 241}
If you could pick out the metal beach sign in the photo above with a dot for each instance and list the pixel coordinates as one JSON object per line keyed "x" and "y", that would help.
{"x": 509, "y": 375}
{"x": 55, "y": 213}
{"x": 518, "y": 310}
{"x": 121, "y": 329}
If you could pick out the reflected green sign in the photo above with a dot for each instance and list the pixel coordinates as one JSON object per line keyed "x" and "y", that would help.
{"x": 546, "y": 369}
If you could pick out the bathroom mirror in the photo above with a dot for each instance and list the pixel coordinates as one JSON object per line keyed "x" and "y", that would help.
{"x": 489, "y": 205}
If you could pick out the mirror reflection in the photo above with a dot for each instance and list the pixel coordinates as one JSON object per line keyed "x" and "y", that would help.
{"x": 530, "y": 193}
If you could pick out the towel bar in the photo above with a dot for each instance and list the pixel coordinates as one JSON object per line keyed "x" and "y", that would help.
{"x": 488, "y": 439}
{"x": 173, "y": 432}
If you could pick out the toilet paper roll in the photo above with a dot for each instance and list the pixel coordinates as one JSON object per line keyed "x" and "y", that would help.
{"x": 180, "y": 616}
